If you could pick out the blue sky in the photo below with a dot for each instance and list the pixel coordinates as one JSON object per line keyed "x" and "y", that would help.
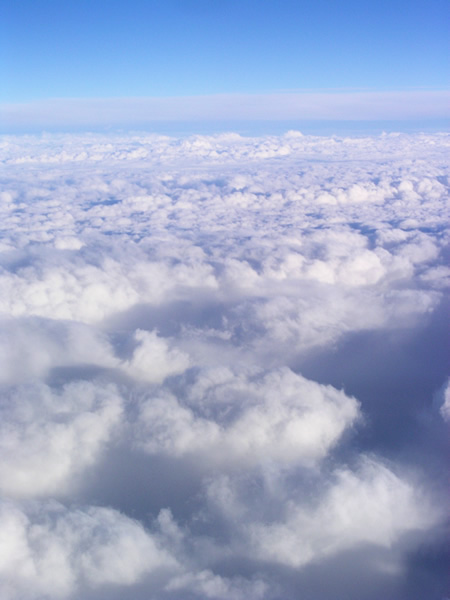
{"x": 177, "y": 48}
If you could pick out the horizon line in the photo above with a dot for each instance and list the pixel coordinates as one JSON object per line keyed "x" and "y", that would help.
{"x": 277, "y": 106}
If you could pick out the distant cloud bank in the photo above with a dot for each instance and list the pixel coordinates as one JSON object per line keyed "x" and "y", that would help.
{"x": 79, "y": 112}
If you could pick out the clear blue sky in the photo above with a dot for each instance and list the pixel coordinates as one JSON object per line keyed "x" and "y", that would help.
{"x": 129, "y": 48}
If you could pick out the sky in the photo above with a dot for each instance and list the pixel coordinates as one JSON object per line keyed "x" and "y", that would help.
{"x": 178, "y": 49}
{"x": 224, "y": 275}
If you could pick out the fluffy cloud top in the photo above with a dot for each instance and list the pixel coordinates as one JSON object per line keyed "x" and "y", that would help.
{"x": 47, "y": 437}
{"x": 371, "y": 506}
{"x": 282, "y": 418}
{"x": 50, "y": 551}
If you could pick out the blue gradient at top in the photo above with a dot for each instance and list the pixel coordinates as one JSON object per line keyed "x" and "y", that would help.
{"x": 118, "y": 48}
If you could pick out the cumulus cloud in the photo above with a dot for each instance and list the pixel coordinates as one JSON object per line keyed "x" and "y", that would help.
{"x": 207, "y": 585}
{"x": 219, "y": 364}
{"x": 92, "y": 292}
{"x": 282, "y": 418}
{"x": 47, "y": 438}
{"x": 153, "y": 360}
{"x": 31, "y": 347}
{"x": 50, "y": 551}
{"x": 444, "y": 401}
{"x": 371, "y": 506}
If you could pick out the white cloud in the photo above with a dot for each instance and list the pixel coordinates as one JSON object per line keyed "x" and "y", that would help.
{"x": 202, "y": 341}
{"x": 48, "y": 551}
{"x": 206, "y": 584}
{"x": 371, "y": 506}
{"x": 89, "y": 292}
{"x": 31, "y": 347}
{"x": 282, "y": 418}
{"x": 47, "y": 438}
{"x": 153, "y": 360}
{"x": 443, "y": 399}
{"x": 365, "y": 507}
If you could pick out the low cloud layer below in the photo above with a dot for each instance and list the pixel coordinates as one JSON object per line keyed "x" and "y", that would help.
{"x": 223, "y": 367}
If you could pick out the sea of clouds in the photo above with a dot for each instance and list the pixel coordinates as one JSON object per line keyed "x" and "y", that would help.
{"x": 223, "y": 367}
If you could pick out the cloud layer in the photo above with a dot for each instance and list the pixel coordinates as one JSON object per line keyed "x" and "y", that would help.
{"x": 222, "y": 367}
{"x": 132, "y": 112}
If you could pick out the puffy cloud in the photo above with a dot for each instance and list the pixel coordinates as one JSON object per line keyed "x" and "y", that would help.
{"x": 49, "y": 437}
{"x": 53, "y": 552}
{"x": 207, "y": 585}
{"x": 281, "y": 417}
{"x": 90, "y": 293}
{"x": 370, "y": 506}
{"x": 443, "y": 398}
{"x": 153, "y": 360}
{"x": 31, "y": 347}
{"x": 217, "y": 359}
{"x": 34, "y": 348}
